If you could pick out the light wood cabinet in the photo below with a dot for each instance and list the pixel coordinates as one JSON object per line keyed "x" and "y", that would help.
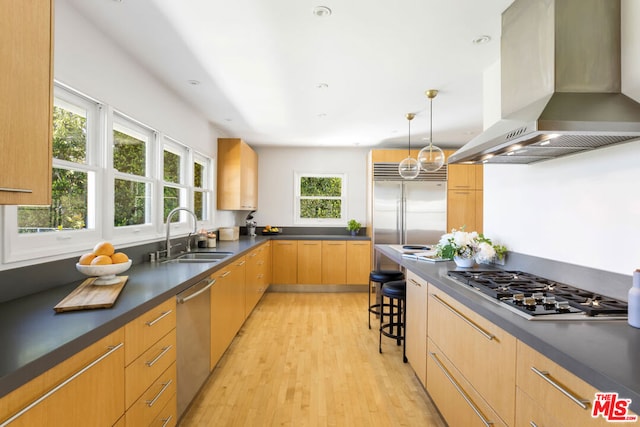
{"x": 416, "y": 329}
{"x": 468, "y": 341}
{"x": 87, "y": 389}
{"x": 358, "y": 262}
{"x": 309, "y": 262}
{"x": 334, "y": 262}
{"x": 26, "y": 55}
{"x": 555, "y": 390}
{"x": 237, "y": 175}
{"x": 227, "y": 307}
{"x": 150, "y": 360}
{"x": 284, "y": 262}
{"x": 392, "y": 155}
{"x": 257, "y": 272}
{"x": 457, "y": 400}
{"x": 148, "y": 328}
{"x": 465, "y": 185}
{"x": 464, "y": 209}
{"x": 161, "y": 395}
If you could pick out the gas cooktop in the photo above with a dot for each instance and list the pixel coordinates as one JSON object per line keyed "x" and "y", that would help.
{"x": 537, "y": 298}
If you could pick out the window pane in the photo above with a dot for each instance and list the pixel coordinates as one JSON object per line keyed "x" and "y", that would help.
{"x": 171, "y": 167}
{"x": 129, "y": 154}
{"x": 68, "y": 210}
{"x": 70, "y": 134}
{"x": 130, "y": 202}
{"x": 198, "y": 171}
{"x": 171, "y": 201}
{"x": 318, "y": 186}
{"x": 320, "y": 208}
{"x": 198, "y": 204}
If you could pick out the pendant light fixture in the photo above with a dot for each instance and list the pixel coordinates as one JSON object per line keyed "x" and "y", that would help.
{"x": 431, "y": 158}
{"x": 409, "y": 167}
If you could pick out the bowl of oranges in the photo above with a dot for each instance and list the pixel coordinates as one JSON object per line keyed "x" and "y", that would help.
{"x": 104, "y": 263}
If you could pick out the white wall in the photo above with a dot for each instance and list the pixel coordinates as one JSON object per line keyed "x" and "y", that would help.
{"x": 582, "y": 209}
{"x": 276, "y": 168}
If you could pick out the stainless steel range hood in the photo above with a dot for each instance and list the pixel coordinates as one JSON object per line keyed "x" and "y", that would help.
{"x": 561, "y": 84}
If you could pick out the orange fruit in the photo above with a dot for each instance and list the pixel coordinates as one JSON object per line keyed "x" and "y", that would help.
{"x": 119, "y": 258}
{"x": 104, "y": 248}
{"x": 86, "y": 258}
{"x": 102, "y": 260}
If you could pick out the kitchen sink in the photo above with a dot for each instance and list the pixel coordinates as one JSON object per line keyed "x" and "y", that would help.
{"x": 199, "y": 257}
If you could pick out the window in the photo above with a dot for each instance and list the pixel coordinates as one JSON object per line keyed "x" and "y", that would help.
{"x": 114, "y": 178}
{"x": 320, "y": 198}
{"x": 69, "y": 209}
{"x": 202, "y": 193}
{"x": 174, "y": 187}
{"x": 132, "y": 186}
{"x": 72, "y": 218}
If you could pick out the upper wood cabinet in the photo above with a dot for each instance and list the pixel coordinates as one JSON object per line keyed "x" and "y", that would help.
{"x": 237, "y": 175}
{"x": 26, "y": 55}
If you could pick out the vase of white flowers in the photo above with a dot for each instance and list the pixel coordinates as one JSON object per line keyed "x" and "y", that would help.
{"x": 467, "y": 248}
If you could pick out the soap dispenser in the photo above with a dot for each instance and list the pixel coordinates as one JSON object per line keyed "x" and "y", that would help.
{"x": 634, "y": 301}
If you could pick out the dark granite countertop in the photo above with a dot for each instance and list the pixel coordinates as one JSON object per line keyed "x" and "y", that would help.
{"x": 603, "y": 353}
{"x": 35, "y": 338}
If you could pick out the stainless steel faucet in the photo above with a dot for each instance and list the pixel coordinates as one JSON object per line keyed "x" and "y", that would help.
{"x": 195, "y": 225}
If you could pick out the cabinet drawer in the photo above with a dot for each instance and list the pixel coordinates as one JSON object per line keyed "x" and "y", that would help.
{"x": 556, "y": 390}
{"x": 148, "y": 329}
{"x": 456, "y": 399}
{"x": 153, "y": 400}
{"x": 168, "y": 416}
{"x": 469, "y": 341}
{"x": 529, "y": 413}
{"x": 147, "y": 368}
{"x": 85, "y": 389}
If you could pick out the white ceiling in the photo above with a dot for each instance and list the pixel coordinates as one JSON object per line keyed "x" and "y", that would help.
{"x": 260, "y": 64}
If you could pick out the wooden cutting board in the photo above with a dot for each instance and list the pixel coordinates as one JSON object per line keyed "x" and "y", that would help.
{"x": 88, "y": 296}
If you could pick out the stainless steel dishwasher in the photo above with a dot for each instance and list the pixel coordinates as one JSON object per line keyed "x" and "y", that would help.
{"x": 194, "y": 340}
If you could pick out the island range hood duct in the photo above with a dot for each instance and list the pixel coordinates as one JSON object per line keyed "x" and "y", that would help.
{"x": 561, "y": 84}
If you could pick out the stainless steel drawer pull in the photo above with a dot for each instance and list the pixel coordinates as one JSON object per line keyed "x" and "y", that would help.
{"x": 33, "y": 404}
{"x": 532, "y": 424}
{"x": 210, "y": 283}
{"x": 152, "y": 402}
{"x": 165, "y": 421}
{"x": 583, "y": 403}
{"x": 469, "y": 322}
{"x": 150, "y": 363}
{"x": 225, "y": 274}
{"x": 241, "y": 263}
{"x": 159, "y": 318}
{"x": 455, "y": 384}
{"x": 16, "y": 190}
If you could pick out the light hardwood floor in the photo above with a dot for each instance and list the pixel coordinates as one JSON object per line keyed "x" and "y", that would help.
{"x": 309, "y": 359}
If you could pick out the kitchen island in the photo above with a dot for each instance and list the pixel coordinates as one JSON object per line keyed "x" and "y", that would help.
{"x": 602, "y": 353}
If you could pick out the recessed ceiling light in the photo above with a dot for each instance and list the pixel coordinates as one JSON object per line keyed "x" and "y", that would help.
{"x": 321, "y": 11}
{"x": 322, "y": 85}
{"x": 193, "y": 82}
{"x": 481, "y": 39}
{"x": 322, "y": 115}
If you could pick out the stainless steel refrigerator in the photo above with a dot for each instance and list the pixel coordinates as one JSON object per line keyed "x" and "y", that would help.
{"x": 407, "y": 212}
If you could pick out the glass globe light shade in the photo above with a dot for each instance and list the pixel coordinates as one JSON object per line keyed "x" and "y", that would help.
{"x": 409, "y": 168}
{"x": 431, "y": 158}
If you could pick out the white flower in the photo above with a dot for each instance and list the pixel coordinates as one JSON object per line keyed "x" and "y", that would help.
{"x": 485, "y": 253}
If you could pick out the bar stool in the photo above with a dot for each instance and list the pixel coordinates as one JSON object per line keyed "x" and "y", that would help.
{"x": 381, "y": 277}
{"x": 396, "y": 292}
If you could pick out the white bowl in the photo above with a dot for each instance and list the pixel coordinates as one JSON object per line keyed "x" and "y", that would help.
{"x": 106, "y": 273}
